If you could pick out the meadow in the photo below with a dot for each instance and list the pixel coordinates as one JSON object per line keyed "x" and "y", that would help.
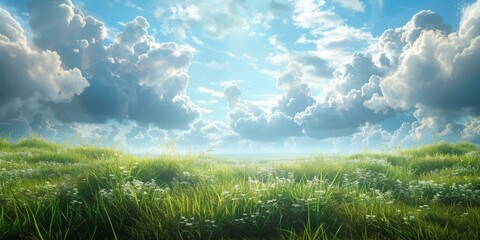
{"x": 59, "y": 191}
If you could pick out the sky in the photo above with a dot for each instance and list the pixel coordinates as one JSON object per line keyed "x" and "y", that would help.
{"x": 241, "y": 76}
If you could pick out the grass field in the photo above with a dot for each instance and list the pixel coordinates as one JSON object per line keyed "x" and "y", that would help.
{"x": 50, "y": 191}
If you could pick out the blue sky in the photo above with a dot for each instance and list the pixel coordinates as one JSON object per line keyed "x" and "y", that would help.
{"x": 236, "y": 76}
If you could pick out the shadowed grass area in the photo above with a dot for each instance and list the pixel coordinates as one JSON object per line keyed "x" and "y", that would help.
{"x": 35, "y": 143}
{"x": 51, "y": 191}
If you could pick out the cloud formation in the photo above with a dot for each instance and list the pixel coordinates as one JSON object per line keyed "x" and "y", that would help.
{"x": 355, "y": 5}
{"x": 342, "y": 110}
{"x": 433, "y": 70}
{"x": 312, "y": 14}
{"x": 265, "y": 126}
{"x": 232, "y": 93}
{"x": 31, "y": 75}
{"x": 133, "y": 78}
{"x": 215, "y": 19}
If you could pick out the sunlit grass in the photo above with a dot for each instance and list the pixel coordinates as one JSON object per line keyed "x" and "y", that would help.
{"x": 51, "y": 191}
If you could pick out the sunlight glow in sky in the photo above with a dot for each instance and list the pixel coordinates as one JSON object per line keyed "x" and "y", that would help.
{"x": 239, "y": 76}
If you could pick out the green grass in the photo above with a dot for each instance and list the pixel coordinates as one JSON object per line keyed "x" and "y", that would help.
{"x": 443, "y": 148}
{"x": 52, "y": 191}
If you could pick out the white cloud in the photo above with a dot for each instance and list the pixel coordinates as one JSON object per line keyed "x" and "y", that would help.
{"x": 133, "y": 78}
{"x": 355, "y": 5}
{"x": 216, "y": 65}
{"x": 168, "y": 78}
{"x": 266, "y": 127}
{"x": 215, "y": 19}
{"x": 211, "y": 92}
{"x": 430, "y": 125}
{"x": 342, "y": 110}
{"x": 311, "y": 14}
{"x": 335, "y": 40}
{"x": 232, "y": 93}
{"x": 197, "y": 41}
{"x": 263, "y": 19}
{"x": 436, "y": 68}
{"x": 472, "y": 129}
{"x": 247, "y": 56}
{"x": 209, "y": 135}
{"x": 279, "y": 46}
{"x": 73, "y": 31}
{"x": 337, "y": 45}
{"x": 373, "y": 136}
{"x": 29, "y": 74}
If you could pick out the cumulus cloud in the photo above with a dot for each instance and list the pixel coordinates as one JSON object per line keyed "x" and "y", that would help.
{"x": 277, "y": 121}
{"x": 147, "y": 138}
{"x": 339, "y": 117}
{"x": 232, "y": 93}
{"x": 414, "y": 59}
{"x": 31, "y": 75}
{"x": 315, "y": 66}
{"x": 371, "y": 135}
{"x": 429, "y": 126}
{"x": 436, "y": 68}
{"x": 340, "y": 113}
{"x": 431, "y": 70}
{"x": 133, "y": 78}
{"x": 266, "y": 127}
{"x": 343, "y": 111}
{"x": 77, "y": 38}
{"x": 295, "y": 100}
{"x": 209, "y": 134}
{"x": 472, "y": 129}
{"x": 297, "y": 96}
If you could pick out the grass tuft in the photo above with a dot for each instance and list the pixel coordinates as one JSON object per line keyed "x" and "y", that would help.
{"x": 443, "y": 148}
